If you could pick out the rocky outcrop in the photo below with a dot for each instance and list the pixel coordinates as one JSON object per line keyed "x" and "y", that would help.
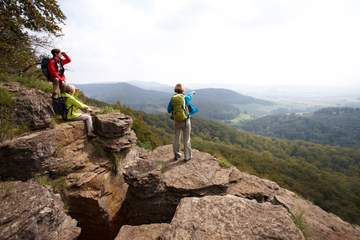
{"x": 30, "y": 211}
{"x": 91, "y": 189}
{"x": 114, "y": 131}
{"x": 31, "y": 106}
{"x": 157, "y": 184}
{"x": 230, "y": 217}
{"x": 143, "y": 232}
{"x": 112, "y": 125}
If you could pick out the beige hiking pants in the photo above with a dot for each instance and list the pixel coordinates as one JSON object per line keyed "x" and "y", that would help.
{"x": 88, "y": 121}
{"x": 185, "y": 128}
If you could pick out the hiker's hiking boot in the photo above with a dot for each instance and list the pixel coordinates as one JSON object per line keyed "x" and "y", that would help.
{"x": 177, "y": 156}
{"x": 91, "y": 135}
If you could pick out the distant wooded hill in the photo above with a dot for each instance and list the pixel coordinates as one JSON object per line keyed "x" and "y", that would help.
{"x": 333, "y": 126}
{"x": 214, "y": 103}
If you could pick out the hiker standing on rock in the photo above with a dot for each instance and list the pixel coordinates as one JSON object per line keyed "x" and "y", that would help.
{"x": 56, "y": 70}
{"x": 181, "y": 109}
{"x": 72, "y": 107}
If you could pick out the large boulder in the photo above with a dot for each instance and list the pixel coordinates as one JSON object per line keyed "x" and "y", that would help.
{"x": 143, "y": 232}
{"x": 230, "y": 217}
{"x": 30, "y": 211}
{"x": 32, "y": 106}
{"x": 112, "y": 125}
{"x": 114, "y": 131}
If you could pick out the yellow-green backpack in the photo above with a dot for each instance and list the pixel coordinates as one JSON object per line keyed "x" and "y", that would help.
{"x": 180, "y": 111}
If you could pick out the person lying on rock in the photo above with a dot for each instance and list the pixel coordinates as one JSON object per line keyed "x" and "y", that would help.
{"x": 73, "y": 106}
{"x": 181, "y": 109}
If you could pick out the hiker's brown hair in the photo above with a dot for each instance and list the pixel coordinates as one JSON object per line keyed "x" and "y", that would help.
{"x": 179, "y": 88}
{"x": 55, "y": 51}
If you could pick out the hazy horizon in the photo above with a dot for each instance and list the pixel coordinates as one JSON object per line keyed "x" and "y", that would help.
{"x": 210, "y": 43}
{"x": 273, "y": 93}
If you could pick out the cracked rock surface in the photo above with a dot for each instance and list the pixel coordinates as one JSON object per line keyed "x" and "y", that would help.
{"x": 31, "y": 107}
{"x": 318, "y": 224}
{"x": 143, "y": 232}
{"x": 230, "y": 217}
{"x": 30, "y": 211}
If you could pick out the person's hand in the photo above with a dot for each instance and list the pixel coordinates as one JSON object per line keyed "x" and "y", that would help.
{"x": 87, "y": 109}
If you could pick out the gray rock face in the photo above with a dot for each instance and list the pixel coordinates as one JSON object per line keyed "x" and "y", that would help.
{"x": 230, "y": 217}
{"x": 32, "y": 106}
{"x": 143, "y": 232}
{"x": 30, "y": 211}
{"x": 112, "y": 125}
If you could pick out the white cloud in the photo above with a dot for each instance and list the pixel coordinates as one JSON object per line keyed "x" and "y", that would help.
{"x": 207, "y": 41}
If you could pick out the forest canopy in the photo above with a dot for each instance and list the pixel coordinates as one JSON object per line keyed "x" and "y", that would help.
{"x": 21, "y": 21}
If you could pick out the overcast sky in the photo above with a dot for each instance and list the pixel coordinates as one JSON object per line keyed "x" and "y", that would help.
{"x": 256, "y": 42}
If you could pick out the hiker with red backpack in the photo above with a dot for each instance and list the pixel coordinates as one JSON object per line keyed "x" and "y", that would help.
{"x": 181, "y": 110}
{"x": 56, "y": 70}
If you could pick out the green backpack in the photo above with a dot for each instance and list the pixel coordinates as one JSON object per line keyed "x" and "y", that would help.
{"x": 180, "y": 111}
